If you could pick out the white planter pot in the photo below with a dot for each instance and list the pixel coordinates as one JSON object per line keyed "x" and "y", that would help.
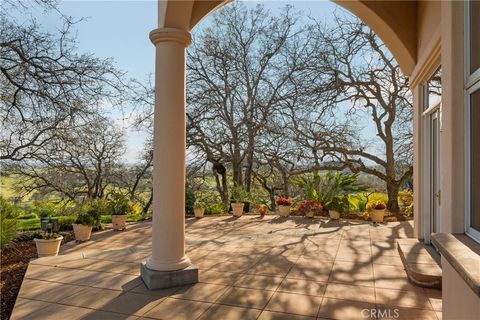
{"x": 237, "y": 208}
{"x": 119, "y": 221}
{"x": 377, "y": 215}
{"x": 48, "y": 248}
{"x": 310, "y": 214}
{"x": 334, "y": 215}
{"x": 82, "y": 232}
{"x": 283, "y": 211}
{"x": 199, "y": 212}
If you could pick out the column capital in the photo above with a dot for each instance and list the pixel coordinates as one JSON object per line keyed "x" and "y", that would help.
{"x": 171, "y": 35}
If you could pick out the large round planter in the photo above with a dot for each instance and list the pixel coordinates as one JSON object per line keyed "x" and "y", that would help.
{"x": 82, "y": 232}
{"x": 119, "y": 221}
{"x": 237, "y": 208}
{"x": 283, "y": 211}
{"x": 334, "y": 215}
{"x": 199, "y": 212}
{"x": 377, "y": 215}
{"x": 48, "y": 248}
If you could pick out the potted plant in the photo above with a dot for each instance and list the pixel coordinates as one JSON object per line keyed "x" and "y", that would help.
{"x": 262, "y": 209}
{"x": 47, "y": 243}
{"x": 376, "y": 210}
{"x": 337, "y": 206}
{"x": 239, "y": 197}
{"x": 119, "y": 208}
{"x": 199, "y": 208}
{"x": 83, "y": 226}
{"x": 284, "y": 205}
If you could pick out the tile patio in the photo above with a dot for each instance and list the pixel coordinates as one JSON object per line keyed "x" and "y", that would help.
{"x": 250, "y": 268}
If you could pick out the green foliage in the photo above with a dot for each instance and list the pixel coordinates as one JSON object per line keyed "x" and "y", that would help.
{"x": 306, "y": 206}
{"x": 189, "y": 200}
{"x": 333, "y": 187}
{"x": 119, "y": 204}
{"x": 405, "y": 198}
{"x": 46, "y": 235}
{"x": 340, "y": 204}
{"x": 409, "y": 210}
{"x": 27, "y": 216}
{"x": 239, "y": 194}
{"x": 85, "y": 219}
{"x": 8, "y": 223}
{"x": 44, "y": 209}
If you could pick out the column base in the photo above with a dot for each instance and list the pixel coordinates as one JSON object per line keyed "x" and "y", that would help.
{"x": 155, "y": 279}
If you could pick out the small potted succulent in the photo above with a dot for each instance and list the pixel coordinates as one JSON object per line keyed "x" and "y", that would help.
{"x": 376, "y": 210}
{"x": 83, "y": 226}
{"x": 337, "y": 206}
{"x": 119, "y": 208}
{"x": 284, "y": 205}
{"x": 47, "y": 243}
{"x": 239, "y": 197}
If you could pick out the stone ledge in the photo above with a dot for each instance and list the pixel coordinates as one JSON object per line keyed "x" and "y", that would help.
{"x": 421, "y": 264}
{"x": 463, "y": 254}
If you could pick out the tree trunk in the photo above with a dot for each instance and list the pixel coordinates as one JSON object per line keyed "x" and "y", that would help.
{"x": 392, "y": 191}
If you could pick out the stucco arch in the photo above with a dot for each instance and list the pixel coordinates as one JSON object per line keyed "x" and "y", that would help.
{"x": 395, "y": 22}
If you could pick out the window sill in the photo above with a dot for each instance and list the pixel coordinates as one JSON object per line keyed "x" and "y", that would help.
{"x": 463, "y": 254}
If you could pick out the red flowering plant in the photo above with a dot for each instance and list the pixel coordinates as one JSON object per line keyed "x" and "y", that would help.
{"x": 376, "y": 205}
{"x": 284, "y": 201}
{"x": 307, "y": 206}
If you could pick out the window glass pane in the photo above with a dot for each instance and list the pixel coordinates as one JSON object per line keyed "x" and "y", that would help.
{"x": 434, "y": 90}
{"x": 474, "y": 35}
{"x": 475, "y": 159}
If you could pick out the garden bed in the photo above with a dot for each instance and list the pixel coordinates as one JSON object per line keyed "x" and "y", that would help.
{"x": 14, "y": 263}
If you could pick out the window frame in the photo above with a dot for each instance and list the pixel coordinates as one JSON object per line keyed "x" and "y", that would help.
{"x": 472, "y": 84}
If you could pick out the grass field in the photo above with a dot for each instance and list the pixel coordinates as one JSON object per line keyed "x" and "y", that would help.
{"x": 34, "y": 224}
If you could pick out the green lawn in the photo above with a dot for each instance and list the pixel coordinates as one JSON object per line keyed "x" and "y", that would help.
{"x": 34, "y": 224}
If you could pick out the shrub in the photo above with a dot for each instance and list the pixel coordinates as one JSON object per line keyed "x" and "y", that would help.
{"x": 28, "y": 216}
{"x": 65, "y": 222}
{"x": 406, "y": 198}
{"x": 409, "y": 210}
{"x": 284, "y": 201}
{"x": 85, "y": 219}
{"x": 44, "y": 209}
{"x": 46, "y": 235}
{"x": 339, "y": 204}
{"x": 119, "y": 204}
{"x": 325, "y": 188}
{"x": 8, "y": 222}
{"x": 376, "y": 205}
{"x": 189, "y": 200}
{"x": 306, "y": 206}
{"x": 239, "y": 194}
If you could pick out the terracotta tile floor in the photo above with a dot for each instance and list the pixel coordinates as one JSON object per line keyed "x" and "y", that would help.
{"x": 250, "y": 268}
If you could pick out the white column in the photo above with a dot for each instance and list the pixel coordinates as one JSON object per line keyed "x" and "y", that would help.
{"x": 168, "y": 225}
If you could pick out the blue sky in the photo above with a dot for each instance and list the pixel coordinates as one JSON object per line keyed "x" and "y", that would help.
{"x": 119, "y": 29}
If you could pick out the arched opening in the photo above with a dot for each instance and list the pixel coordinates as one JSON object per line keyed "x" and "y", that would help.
{"x": 386, "y": 19}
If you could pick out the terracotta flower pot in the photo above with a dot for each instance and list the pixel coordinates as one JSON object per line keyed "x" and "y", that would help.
{"x": 48, "y": 248}
{"x": 119, "y": 221}
{"x": 237, "y": 208}
{"x": 82, "y": 232}
{"x": 283, "y": 211}
{"x": 377, "y": 215}
{"x": 334, "y": 215}
{"x": 199, "y": 212}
